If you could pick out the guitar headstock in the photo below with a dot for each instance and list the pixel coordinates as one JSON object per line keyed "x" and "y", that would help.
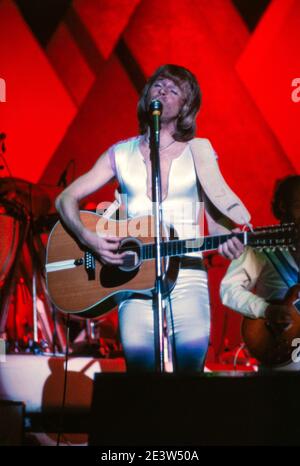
{"x": 283, "y": 236}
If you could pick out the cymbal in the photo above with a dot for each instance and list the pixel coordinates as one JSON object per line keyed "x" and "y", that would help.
{"x": 37, "y": 199}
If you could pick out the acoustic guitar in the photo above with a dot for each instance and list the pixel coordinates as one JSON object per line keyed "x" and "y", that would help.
{"x": 78, "y": 283}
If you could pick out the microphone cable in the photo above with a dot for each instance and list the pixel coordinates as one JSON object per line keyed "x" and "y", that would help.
{"x": 62, "y": 411}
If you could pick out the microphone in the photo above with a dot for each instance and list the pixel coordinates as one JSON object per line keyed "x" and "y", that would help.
{"x": 62, "y": 181}
{"x": 156, "y": 109}
{"x": 2, "y": 137}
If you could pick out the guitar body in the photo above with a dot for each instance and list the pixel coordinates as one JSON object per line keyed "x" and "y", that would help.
{"x": 269, "y": 347}
{"x": 76, "y": 291}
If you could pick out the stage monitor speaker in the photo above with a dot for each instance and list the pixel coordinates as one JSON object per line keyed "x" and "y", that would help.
{"x": 170, "y": 409}
{"x": 12, "y": 423}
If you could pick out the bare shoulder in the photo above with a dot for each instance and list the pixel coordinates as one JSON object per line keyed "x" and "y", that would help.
{"x": 204, "y": 141}
{"x": 125, "y": 143}
{"x": 89, "y": 182}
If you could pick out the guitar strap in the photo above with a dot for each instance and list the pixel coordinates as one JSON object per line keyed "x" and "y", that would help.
{"x": 284, "y": 269}
{"x": 213, "y": 183}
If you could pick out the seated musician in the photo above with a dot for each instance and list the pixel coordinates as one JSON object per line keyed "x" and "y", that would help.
{"x": 269, "y": 273}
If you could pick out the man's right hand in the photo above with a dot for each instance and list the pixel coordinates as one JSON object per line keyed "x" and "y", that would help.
{"x": 278, "y": 316}
{"x": 105, "y": 248}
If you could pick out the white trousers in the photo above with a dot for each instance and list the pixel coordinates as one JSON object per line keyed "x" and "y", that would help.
{"x": 188, "y": 323}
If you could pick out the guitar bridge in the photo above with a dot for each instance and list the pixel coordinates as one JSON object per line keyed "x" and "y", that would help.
{"x": 90, "y": 265}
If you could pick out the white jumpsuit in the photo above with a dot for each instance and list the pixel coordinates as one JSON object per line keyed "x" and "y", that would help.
{"x": 188, "y": 310}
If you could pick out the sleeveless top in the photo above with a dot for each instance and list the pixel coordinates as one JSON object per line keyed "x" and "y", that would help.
{"x": 181, "y": 208}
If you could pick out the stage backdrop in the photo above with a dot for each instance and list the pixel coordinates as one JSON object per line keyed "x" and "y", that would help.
{"x": 72, "y": 82}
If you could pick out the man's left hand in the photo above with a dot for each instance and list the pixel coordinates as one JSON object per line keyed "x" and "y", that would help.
{"x": 232, "y": 248}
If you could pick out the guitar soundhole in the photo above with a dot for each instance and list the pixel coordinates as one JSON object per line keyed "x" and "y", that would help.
{"x": 112, "y": 277}
{"x": 132, "y": 260}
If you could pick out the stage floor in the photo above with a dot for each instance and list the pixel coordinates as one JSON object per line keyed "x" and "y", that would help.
{"x": 240, "y": 400}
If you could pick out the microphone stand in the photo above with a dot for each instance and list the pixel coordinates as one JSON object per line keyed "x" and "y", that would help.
{"x": 156, "y": 110}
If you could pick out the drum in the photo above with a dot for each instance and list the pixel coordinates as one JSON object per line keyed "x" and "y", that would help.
{"x": 12, "y": 226}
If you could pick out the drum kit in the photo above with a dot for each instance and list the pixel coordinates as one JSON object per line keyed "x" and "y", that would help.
{"x": 28, "y": 320}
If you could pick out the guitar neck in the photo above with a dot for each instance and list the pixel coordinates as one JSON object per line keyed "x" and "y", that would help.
{"x": 277, "y": 236}
{"x": 179, "y": 247}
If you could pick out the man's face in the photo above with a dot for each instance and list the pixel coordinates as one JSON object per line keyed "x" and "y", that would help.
{"x": 170, "y": 95}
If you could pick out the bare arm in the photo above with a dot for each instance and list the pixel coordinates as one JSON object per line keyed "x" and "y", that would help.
{"x": 218, "y": 224}
{"x": 67, "y": 206}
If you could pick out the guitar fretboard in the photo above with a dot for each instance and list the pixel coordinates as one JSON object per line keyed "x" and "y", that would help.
{"x": 180, "y": 247}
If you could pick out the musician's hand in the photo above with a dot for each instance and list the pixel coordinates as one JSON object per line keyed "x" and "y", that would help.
{"x": 105, "y": 248}
{"x": 232, "y": 248}
{"x": 278, "y": 316}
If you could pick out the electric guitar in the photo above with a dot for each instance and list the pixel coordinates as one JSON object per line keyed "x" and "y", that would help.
{"x": 78, "y": 283}
{"x": 274, "y": 345}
